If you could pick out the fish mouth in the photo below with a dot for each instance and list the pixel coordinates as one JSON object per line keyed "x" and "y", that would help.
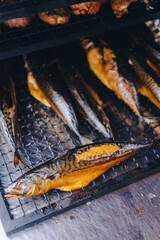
{"x": 13, "y": 193}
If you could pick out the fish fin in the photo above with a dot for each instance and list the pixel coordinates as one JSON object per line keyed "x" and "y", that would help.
{"x": 18, "y": 160}
{"x": 84, "y": 140}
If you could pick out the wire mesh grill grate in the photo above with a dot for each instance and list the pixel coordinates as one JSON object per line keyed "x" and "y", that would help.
{"x": 40, "y": 35}
{"x": 44, "y": 136}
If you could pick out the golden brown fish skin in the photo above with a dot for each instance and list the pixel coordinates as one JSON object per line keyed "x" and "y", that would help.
{"x": 147, "y": 80}
{"x": 113, "y": 72}
{"x": 54, "y": 93}
{"x": 86, "y": 99}
{"x": 120, "y": 7}
{"x": 74, "y": 169}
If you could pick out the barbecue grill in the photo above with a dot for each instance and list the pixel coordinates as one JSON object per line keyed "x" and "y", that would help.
{"x": 44, "y": 135}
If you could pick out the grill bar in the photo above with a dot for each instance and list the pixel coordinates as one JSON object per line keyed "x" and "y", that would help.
{"x": 26, "y": 7}
{"x": 44, "y": 136}
{"x": 39, "y": 35}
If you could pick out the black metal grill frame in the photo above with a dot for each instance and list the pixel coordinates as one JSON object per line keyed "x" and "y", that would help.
{"x": 23, "y": 8}
{"x": 56, "y": 202}
{"x": 40, "y": 35}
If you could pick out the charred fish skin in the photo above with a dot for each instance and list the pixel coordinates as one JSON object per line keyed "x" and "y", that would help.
{"x": 56, "y": 94}
{"x": 74, "y": 169}
{"x": 113, "y": 71}
{"x": 87, "y": 104}
{"x": 147, "y": 80}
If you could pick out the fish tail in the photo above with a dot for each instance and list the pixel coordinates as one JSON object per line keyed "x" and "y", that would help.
{"x": 18, "y": 160}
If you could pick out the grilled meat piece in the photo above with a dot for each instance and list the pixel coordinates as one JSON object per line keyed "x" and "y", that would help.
{"x": 74, "y": 169}
{"x": 19, "y": 22}
{"x": 147, "y": 42}
{"x": 113, "y": 71}
{"x": 120, "y": 7}
{"x": 86, "y": 100}
{"x": 87, "y": 7}
{"x": 56, "y": 16}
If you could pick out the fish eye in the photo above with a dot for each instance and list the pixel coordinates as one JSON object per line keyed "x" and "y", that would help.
{"x": 20, "y": 185}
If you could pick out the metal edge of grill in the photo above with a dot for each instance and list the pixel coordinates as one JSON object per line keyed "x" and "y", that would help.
{"x": 119, "y": 176}
{"x": 23, "y": 8}
{"x": 12, "y": 226}
{"x": 40, "y": 35}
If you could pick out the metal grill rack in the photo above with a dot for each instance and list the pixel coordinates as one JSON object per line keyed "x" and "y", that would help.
{"x": 44, "y": 136}
{"x": 40, "y": 35}
{"x": 18, "y": 8}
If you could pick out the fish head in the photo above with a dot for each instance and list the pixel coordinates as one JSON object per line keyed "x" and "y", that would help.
{"x": 25, "y": 186}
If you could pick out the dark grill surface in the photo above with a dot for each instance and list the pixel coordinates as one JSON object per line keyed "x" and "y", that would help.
{"x": 44, "y": 136}
{"x": 40, "y": 35}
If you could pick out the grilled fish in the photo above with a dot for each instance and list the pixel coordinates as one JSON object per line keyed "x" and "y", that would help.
{"x": 8, "y": 114}
{"x": 87, "y": 101}
{"x": 113, "y": 72}
{"x": 47, "y": 88}
{"x": 120, "y": 7}
{"x": 147, "y": 81}
{"x": 74, "y": 169}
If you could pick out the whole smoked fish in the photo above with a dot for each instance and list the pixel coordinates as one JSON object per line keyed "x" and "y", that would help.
{"x": 113, "y": 72}
{"x": 74, "y": 169}
{"x": 147, "y": 81}
{"x": 8, "y": 115}
{"x": 87, "y": 101}
{"x": 47, "y": 88}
